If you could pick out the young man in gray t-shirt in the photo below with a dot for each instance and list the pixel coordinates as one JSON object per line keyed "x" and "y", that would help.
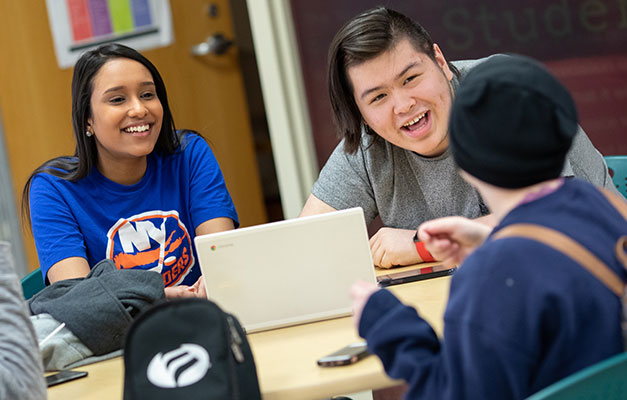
{"x": 391, "y": 90}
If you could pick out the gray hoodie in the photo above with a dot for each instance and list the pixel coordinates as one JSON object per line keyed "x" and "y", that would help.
{"x": 21, "y": 371}
{"x": 99, "y": 308}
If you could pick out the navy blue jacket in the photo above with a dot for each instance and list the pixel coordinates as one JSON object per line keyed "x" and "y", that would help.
{"x": 520, "y": 315}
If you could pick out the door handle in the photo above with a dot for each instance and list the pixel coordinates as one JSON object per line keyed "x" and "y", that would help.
{"x": 215, "y": 44}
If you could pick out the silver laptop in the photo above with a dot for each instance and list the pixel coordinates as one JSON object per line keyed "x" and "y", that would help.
{"x": 288, "y": 272}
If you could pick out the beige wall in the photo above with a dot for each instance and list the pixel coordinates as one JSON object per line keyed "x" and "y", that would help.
{"x": 31, "y": 85}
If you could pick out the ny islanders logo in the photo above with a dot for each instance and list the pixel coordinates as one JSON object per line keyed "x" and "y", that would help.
{"x": 154, "y": 240}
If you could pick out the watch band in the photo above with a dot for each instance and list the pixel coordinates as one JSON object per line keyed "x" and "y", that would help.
{"x": 422, "y": 250}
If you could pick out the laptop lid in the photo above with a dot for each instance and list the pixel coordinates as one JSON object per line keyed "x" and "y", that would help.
{"x": 288, "y": 272}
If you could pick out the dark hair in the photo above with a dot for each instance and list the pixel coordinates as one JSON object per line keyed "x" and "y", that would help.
{"x": 74, "y": 168}
{"x": 363, "y": 38}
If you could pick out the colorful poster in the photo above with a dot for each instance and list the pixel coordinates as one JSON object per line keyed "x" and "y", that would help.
{"x": 120, "y": 11}
{"x": 78, "y": 25}
{"x": 99, "y": 15}
{"x": 79, "y": 17}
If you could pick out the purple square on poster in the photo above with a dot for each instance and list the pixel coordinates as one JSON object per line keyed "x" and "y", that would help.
{"x": 141, "y": 13}
{"x": 100, "y": 19}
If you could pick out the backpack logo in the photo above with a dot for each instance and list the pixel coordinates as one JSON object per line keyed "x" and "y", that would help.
{"x": 154, "y": 240}
{"x": 180, "y": 367}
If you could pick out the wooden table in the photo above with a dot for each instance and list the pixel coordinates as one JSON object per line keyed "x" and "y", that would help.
{"x": 286, "y": 357}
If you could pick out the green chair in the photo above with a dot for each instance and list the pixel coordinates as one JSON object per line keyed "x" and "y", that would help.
{"x": 606, "y": 380}
{"x": 32, "y": 283}
{"x": 618, "y": 171}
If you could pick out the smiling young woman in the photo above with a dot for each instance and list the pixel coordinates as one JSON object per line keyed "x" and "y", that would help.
{"x": 136, "y": 190}
{"x": 126, "y": 119}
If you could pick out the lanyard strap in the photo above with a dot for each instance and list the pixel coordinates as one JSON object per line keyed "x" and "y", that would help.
{"x": 573, "y": 249}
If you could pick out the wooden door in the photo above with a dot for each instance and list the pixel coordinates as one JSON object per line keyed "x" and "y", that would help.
{"x": 205, "y": 93}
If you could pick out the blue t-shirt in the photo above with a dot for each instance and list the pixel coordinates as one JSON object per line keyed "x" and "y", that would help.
{"x": 149, "y": 225}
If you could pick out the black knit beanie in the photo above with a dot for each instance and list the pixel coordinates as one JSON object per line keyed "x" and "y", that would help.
{"x": 512, "y": 122}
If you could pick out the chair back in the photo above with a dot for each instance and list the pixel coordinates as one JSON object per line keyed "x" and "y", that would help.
{"x": 618, "y": 171}
{"x": 605, "y": 380}
{"x": 32, "y": 283}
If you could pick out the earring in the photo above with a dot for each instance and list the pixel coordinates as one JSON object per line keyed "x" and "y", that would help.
{"x": 88, "y": 133}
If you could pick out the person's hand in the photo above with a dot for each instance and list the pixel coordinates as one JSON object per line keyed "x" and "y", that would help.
{"x": 200, "y": 289}
{"x": 452, "y": 239}
{"x": 179, "y": 292}
{"x": 390, "y": 247}
{"x": 360, "y": 293}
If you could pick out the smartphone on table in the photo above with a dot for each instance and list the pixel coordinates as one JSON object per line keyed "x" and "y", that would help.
{"x": 64, "y": 376}
{"x": 345, "y": 356}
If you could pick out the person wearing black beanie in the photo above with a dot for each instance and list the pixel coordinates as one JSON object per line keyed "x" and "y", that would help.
{"x": 517, "y": 305}
{"x": 512, "y": 123}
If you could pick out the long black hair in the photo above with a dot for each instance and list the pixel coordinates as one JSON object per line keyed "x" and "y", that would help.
{"x": 364, "y": 38}
{"x": 78, "y": 166}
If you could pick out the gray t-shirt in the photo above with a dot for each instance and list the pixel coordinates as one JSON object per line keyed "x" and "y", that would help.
{"x": 406, "y": 189}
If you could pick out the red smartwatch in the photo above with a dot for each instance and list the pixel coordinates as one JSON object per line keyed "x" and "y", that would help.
{"x": 422, "y": 251}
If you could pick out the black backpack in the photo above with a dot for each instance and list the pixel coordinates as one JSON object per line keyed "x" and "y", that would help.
{"x": 188, "y": 349}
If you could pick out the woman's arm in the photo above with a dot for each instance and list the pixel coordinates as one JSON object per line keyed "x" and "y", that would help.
{"x": 210, "y": 203}
{"x": 198, "y": 289}
{"x": 215, "y": 225}
{"x": 68, "y": 268}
